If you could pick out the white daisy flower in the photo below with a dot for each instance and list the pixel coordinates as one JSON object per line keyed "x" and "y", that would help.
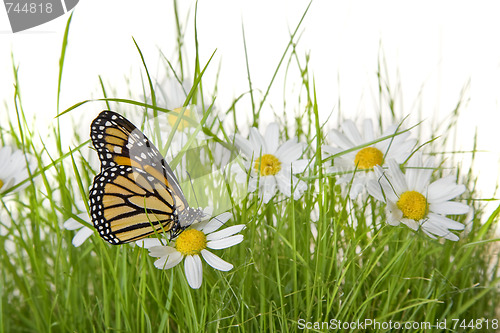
{"x": 416, "y": 202}
{"x": 185, "y": 127}
{"x": 192, "y": 243}
{"x": 83, "y": 233}
{"x": 272, "y": 166}
{"x": 13, "y": 168}
{"x": 356, "y": 166}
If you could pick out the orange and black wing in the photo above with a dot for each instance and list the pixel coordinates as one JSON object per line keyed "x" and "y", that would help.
{"x": 136, "y": 193}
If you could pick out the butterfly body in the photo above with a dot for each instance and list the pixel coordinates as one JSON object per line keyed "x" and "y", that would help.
{"x": 136, "y": 194}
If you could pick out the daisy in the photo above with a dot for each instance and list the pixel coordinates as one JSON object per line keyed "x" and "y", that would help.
{"x": 271, "y": 166}
{"x": 192, "y": 243}
{"x": 184, "y": 129}
{"x": 172, "y": 135}
{"x": 365, "y": 150}
{"x": 172, "y": 94}
{"x": 13, "y": 168}
{"x": 83, "y": 233}
{"x": 416, "y": 202}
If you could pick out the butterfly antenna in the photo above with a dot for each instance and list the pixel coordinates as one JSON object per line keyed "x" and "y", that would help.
{"x": 222, "y": 223}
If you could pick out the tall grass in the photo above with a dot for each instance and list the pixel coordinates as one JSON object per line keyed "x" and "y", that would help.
{"x": 319, "y": 258}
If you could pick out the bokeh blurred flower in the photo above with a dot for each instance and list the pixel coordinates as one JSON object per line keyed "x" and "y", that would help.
{"x": 13, "y": 168}
{"x": 83, "y": 233}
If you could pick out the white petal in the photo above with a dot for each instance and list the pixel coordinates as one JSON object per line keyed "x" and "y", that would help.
{"x": 357, "y": 186}
{"x": 271, "y": 138}
{"x": 209, "y": 226}
{"x": 216, "y": 222}
{"x": 422, "y": 173}
{"x": 283, "y": 183}
{"x": 449, "y": 208}
{"x": 13, "y": 167}
{"x": 344, "y": 163}
{"x": 394, "y": 214}
{"x": 397, "y": 178}
{"x": 412, "y": 224}
{"x": 434, "y": 227}
{"x": 451, "y": 236}
{"x": 72, "y": 224}
{"x": 224, "y": 217}
{"x": 160, "y": 250}
{"x": 299, "y": 166}
{"x": 375, "y": 190}
{"x": 4, "y": 153}
{"x": 81, "y": 236}
{"x": 429, "y": 234}
{"x": 194, "y": 271}
{"x": 208, "y": 211}
{"x": 401, "y": 151}
{"x": 445, "y": 222}
{"x": 351, "y": 131}
{"x": 340, "y": 140}
{"x": 328, "y": 151}
{"x": 215, "y": 261}
{"x": 225, "y": 243}
{"x": 391, "y": 220}
{"x": 266, "y": 196}
{"x": 412, "y": 171}
{"x": 267, "y": 188}
{"x": 388, "y": 144}
{"x": 257, "y": 142}
{"x": 368, "y": 133}
{"x": 244, "y": 145}
{"x": 240, "y": 174}
{"x": 252, "y": 184}
{"x": 222, "y": 155}
{"x": 386, "y": 184}
{"x": 290, "y": 151}
{"x": 199, "y": 225}
{"x": 169, "y": 261}
{"x": 444, "y": 189}
{"x": 150, "y": 242}
{"x": 8, "y": 183}
{"x": 229, "y": 231}
{"x": 299, "y": 188}
{"x": 173, "y": 260}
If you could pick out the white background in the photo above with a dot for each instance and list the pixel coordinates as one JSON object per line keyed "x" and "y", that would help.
{"x": 432, "y": 50}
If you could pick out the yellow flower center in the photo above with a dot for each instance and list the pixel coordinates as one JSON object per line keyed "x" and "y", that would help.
{"x": 413, "y": 205}
{"x": 172, "y": 117}
{"x": 191, "y": 242}
{"x": 267, "y": 165}
{"x": 368, "y": 157}
{"x": 1, "y": 183}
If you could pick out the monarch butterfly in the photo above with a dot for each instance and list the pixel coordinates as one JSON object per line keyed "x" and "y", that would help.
{"x": 136, "y": 194}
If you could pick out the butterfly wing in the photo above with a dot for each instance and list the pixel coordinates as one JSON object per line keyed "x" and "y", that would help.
{"x": 136, "y": 193}
{"x": 119, "y": 142}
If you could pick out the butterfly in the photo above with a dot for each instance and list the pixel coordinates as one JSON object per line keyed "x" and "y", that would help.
{"x": 136, "y": 194}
